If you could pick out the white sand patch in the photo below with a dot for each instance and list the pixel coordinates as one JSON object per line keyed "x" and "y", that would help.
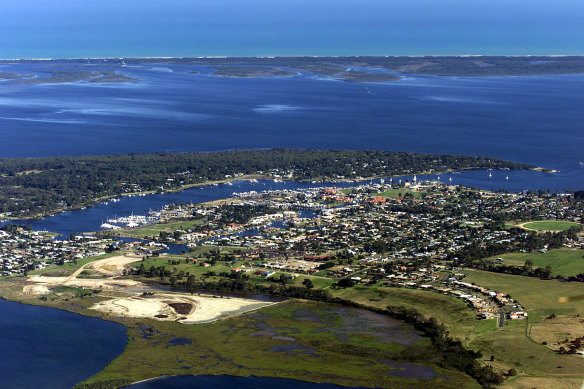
{"x": 135, "y": 307}
{"x": 35, "y": 289}
{"x": 204, "y": 308}
{"x": 113, "y": 266}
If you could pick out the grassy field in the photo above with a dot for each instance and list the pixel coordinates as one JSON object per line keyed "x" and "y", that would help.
{"x": 155, "y": 229}
{"x": 299, "y": 340}
{"x": 510, "y": 346}
{"x": 566, "y": 262}
{"x": 453, "y": 312}
{"x": 550, "y": 225}
{"x": 539, "y": 297}
{"x": 401, "y": 192}
{"x": 538, "y": 365}
{"x": 193, "y": 268}
{"x": 222, "y": 266}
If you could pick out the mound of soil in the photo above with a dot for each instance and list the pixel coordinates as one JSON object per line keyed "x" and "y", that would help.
{"x": 182, "y": 308}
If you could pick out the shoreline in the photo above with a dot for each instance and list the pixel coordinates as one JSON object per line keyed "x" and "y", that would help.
{"x": 129, "y": 323}
{"x": 439, "y": 65}
{"x": 249, "y": 177}
{"x": 162, "y": 377}
{"x": 442, "y": 55}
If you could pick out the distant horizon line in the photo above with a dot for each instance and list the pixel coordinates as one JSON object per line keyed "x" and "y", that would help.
{"x": 292, "y": 56}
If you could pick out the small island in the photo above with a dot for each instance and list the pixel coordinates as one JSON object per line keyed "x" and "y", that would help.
{"x": 13, "y": 76}
{"x": 251, "y": 72}
{"x": 58, "y": 76}
{"x": 358, "y": 76}
{"x": 349, "y": 68}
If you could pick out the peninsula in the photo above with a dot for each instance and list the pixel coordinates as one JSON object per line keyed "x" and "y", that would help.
{"x": 251, "y": 72}
{"x": 34, "y": 187}
{"x": 57, "y": 76}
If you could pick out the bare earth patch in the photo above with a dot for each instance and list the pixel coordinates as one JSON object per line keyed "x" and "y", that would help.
{"x": 35, "y": 290}
{"x": 174, "y": 306}
{"x": 184, "y": 308}
{"x": 110, "y": 267}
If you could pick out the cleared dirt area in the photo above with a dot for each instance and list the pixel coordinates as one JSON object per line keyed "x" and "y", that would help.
{"x": 113, "y": 266}
{"x": 185, "y": 308}
{"x": 110, "y": 267}
{"x": 178, "y": 307}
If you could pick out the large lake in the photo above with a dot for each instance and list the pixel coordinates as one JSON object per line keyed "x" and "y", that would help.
{"x": 229, "y": 382}
{"x": 534, "y": 119}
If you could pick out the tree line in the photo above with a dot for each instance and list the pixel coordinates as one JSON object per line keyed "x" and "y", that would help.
{"x": 39, "y": 186}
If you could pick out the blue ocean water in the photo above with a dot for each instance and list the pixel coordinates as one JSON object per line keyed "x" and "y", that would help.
{"x": 110, "y": 28}
{"x": 43, "y": 347}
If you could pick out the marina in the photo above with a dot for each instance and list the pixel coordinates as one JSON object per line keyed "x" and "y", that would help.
{"x": 149, "y": 205}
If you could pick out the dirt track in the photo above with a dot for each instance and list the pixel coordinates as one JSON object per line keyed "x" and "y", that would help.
{"x": 111, "y": 267}
{"x": 158, "y": 306}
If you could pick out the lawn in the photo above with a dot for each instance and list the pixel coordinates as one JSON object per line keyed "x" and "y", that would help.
{"x": 193, "y": 268}
{"x": 206, "y": 249}
{"x": 400, "y": 192}
{"x": 565, "y": 262}
{"x": 318, "y": 282}
{"x": 550, "y": 225}
{"x": 155, "y": 229}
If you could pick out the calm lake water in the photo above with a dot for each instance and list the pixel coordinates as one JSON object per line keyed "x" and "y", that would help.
{"x": 44, "y": 347}
{"x": 230, "y": 382}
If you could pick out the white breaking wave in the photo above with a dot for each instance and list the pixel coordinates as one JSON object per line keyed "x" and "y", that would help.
{"x": 138, "y": 111}
{"x": 271, "y": 108}
{"x": 453, "y": 99}
{"x": 59, "y": 121}
{"x": 162, "y": 69}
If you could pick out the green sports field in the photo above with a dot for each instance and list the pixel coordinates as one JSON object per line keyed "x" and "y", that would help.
{"x": 550, "y": 225}
{"x": 565, "y": 261}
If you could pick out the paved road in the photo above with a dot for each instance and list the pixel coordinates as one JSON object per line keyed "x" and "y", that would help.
{"x": 501, "y": 319}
